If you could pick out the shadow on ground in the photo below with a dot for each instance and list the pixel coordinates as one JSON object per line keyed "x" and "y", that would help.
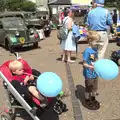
{"x": 80, "y": 91}
{"x": 85, "y": 42}
{"x": 47, "y": 115}
{"x": 22, "y": 49}
{"x": 60, "y": 58}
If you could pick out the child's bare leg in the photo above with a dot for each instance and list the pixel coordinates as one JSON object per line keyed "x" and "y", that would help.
{"x": 36, "y": 94}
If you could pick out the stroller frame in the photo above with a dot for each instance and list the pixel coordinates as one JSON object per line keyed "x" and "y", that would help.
{"x": 59, "y": 107}
{"x": 18, "y": 97}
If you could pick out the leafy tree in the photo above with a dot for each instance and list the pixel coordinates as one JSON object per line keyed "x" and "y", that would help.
{"x": 113, "y": 3}
{"x": 15, "y": 5}
{"x": 28, "y": 6}
{"x": 2, "y": 5}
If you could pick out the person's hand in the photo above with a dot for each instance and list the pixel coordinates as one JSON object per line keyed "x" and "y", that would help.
{"x": 91, "y": 67}
{"x": 26, "y": 80}
{"x": 31, "y": 77}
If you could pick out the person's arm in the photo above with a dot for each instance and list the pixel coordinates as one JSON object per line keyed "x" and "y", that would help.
{"x": 74, "y": 30}
{"x": 88, "y": 20}
{"x": 27, "y": 78}
{"x": 109, "y": 19}
{"x": 31, "y": 77}
{"x": 85, "y": 59}
{"x": 69, "y": 25}
{"x": 87, "y": 65}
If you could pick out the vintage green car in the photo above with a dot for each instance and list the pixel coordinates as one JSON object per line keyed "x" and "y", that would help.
{"x": 14, "y": 33}
{"x": 28, "y": 17}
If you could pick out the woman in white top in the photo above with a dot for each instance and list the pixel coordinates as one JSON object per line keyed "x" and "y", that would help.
{"x": 68, "y": 45}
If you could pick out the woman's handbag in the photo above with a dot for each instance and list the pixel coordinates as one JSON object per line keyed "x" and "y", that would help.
{"x": 61, "y": 32}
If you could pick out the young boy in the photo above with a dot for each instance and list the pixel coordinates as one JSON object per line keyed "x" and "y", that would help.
{"x": 16, "y": 68}
{"x": 90, "y": 55}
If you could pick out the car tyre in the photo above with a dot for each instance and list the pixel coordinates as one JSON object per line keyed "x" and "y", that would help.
{"x": 47, "y": 33}
{"x": 8, "y": 46}
{"x": 36, "y": 45}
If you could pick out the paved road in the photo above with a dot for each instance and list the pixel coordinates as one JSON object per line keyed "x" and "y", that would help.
{"x": 44, "y": 59}
{"x": 47, "y": 58}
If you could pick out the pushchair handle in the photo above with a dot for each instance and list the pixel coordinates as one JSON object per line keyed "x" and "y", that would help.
{"x": 17, "y": 55}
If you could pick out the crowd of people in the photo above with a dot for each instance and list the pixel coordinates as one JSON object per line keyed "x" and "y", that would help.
{"x": 97, "y": 21}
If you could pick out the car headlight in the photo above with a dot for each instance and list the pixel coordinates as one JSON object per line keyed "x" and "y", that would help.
{"x": 31, "y": 32}
{"x": 17, "y": 33}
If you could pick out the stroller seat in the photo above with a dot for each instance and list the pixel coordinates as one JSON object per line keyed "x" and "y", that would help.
{"x": 7, "y": 73}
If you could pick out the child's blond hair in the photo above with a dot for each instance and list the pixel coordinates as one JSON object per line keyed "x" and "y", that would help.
{"x": 93, "y": 36}
{"x": 15, "y": 65}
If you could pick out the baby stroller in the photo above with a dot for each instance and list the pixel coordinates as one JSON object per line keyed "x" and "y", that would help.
{"x": 17, "y": 100}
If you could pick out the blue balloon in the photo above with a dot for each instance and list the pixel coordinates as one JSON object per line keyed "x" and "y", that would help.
{"x": 106, "y": 69}
{"x": 49, "y": 84}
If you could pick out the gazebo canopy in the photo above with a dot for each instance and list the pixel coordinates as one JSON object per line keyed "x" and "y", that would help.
{"x": 59, "y": 2}
{"x": 81, "y": 2}
{"x": 69, "y": 2}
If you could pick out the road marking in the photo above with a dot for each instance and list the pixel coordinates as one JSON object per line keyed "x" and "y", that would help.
{"x": 75, "y": 102}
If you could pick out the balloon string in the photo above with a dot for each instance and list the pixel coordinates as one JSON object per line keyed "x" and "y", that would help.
{"x": 30, "y": 74}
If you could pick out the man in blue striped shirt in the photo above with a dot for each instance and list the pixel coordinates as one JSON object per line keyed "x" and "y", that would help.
{"x": 99, "y": 19}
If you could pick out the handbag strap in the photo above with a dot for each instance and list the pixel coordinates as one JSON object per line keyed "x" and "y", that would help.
{"x": 65, "y": 21}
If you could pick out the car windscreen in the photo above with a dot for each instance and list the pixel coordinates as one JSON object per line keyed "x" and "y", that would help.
{"x": 13, "y": 23}
{"x": 29, "y": 16}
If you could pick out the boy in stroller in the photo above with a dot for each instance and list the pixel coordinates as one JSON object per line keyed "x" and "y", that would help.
{"x": 16, "y": 67}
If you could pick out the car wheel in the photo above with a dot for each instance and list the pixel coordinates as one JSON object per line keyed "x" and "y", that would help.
{"x": 47, "y": 33}
{"x": 36, "y": 45}
{"x": 5, "y": 116}
{"x": 8, "y": 46}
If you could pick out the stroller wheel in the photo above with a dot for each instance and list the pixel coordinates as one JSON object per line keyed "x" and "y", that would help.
{"x": 5, "y": 116}
{"x": 60, "y": 107}
{"x": 64, "y": 107}
{"x": 57, "y": 110}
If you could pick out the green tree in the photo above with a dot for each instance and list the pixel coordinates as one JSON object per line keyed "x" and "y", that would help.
{"x": 113, "y": 3}
{"x": 2, "y": 5}
{"x": 15, "y": 5}
{"x": 28, "y": 6}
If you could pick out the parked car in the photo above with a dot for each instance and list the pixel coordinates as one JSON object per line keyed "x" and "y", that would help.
{"x": 14, "y": 33}
{"x": 30, "y": 19}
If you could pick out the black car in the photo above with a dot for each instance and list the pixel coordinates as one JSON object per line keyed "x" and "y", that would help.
{"x": 13, "y": 33}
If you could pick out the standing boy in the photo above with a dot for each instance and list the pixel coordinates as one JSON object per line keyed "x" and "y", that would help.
{"x": 90, "y": 55}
